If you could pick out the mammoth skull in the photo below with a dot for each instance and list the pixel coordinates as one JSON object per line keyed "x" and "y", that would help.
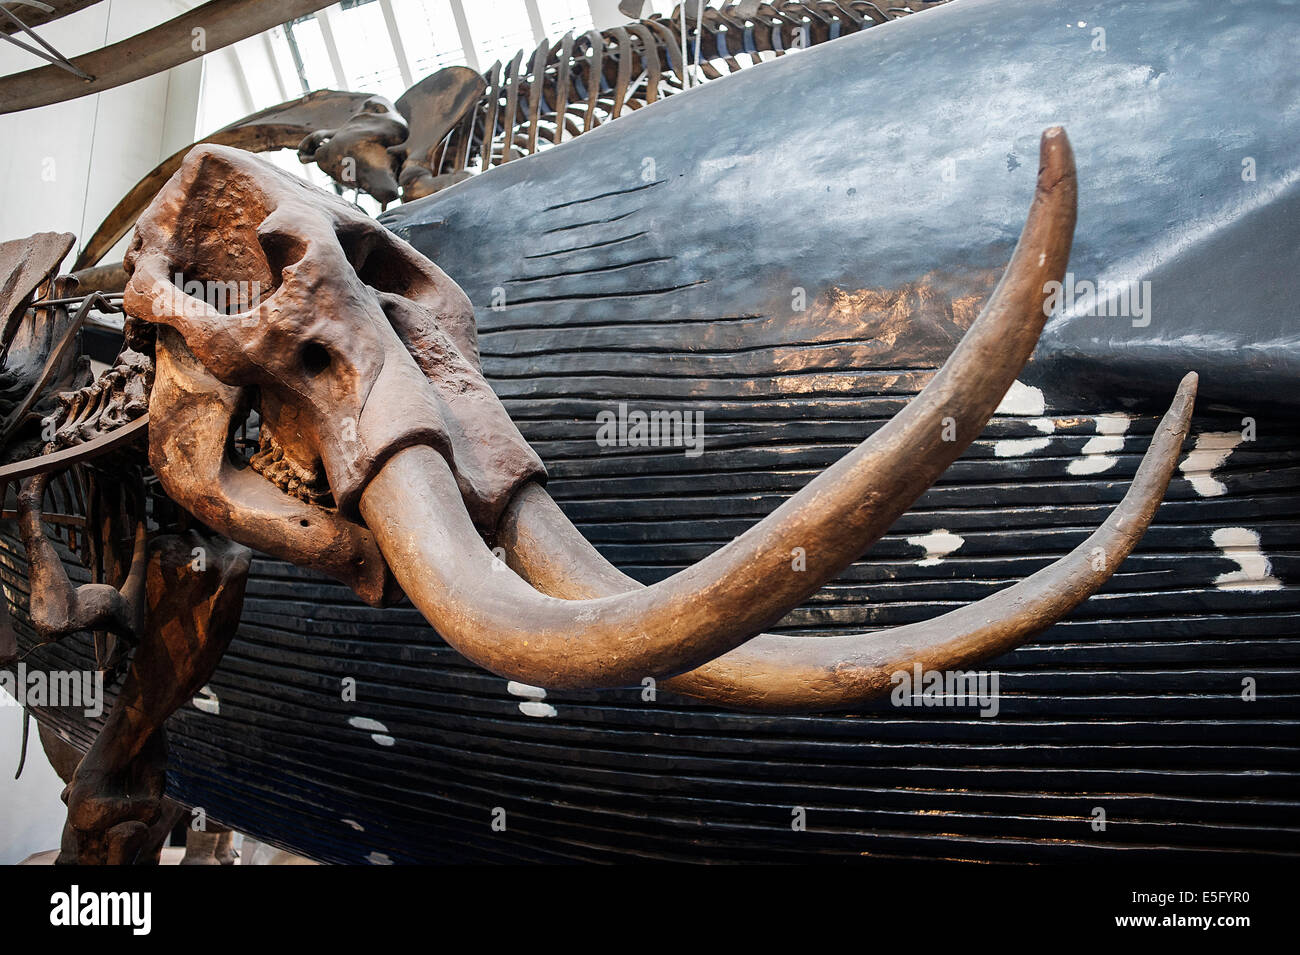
{"x": 272, "y": 295}
{"x": 384, "y": 451}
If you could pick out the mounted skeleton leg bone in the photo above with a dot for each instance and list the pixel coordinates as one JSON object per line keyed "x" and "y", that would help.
{"x": 180, "y": 604}
{"x": 57, "y": 607}
{"x": 117, "y": 791}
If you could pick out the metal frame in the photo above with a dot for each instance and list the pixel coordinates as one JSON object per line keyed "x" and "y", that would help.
{"x": 50, "y": 54}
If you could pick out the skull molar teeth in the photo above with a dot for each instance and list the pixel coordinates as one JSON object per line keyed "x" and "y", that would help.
{"x": 307, "y": 483}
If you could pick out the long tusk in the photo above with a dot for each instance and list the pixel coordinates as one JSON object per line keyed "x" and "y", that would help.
{"x": 802, "y": 674}
{"x": 493, "y": 617}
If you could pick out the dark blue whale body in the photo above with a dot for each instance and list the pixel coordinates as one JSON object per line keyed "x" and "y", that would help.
{"x": 790, "y": 252}
{"x": 907, "y": 154}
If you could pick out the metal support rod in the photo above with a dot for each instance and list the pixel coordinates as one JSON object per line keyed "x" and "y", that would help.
{"x": 399, "y": 49}
{"x": 699, "y": 30}
{"x": 296, "y": 55}
{"x": 52, "y": 56}
{"x": 686, "y": 68}
{"x": 105, "y": 301}
{"x": 466, "y": 39}
{"x": 326, "y": 20}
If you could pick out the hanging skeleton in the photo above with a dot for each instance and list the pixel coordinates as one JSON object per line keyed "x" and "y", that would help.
{"x": 435, "y": 134}
{"x": 560, "y": 90}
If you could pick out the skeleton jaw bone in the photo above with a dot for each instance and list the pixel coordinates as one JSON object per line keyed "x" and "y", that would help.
{"x": 358, "y": 155}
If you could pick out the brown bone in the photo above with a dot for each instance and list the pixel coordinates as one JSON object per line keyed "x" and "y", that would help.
{"x": 350, "y": 344}
{"x": 116, "y": 794}
{"x": 713, "y": 606}
{"x": 282, "y": 126}
{"x": 432, "y": 107}
{"x": 181, "y": 604}
{"x": 357, "y": 154}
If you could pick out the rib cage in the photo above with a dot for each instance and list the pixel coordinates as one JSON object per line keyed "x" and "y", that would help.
{"x": 594, "y": 77}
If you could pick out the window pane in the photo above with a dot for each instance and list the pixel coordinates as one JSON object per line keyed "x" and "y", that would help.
{"x": 429, "y": 35}
{"x": 366, "y": 50}
{"x": 500, "y": 28}
{"x": 561, "y": 16}
{"x": 315, "y": 61}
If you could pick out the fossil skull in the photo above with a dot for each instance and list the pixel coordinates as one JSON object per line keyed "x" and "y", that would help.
{"x": 272, "y": 295}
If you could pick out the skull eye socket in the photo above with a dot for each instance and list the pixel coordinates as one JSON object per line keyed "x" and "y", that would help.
{"x": 315, "y": 358}
{"x": 230, "y": 285}
{"x": 281, "y": 249}
{"x": 380, "y": 265}
{"x": 386, "y": 271}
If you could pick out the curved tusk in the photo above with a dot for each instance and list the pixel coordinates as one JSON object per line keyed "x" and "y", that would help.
{"x": 803, "y": 674}
{"x": 497, "y": 620}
